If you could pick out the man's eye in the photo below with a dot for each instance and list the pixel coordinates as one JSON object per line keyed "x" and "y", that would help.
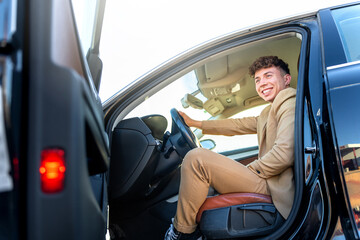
{"x": 268, "y": 76}
{"x": 257, "y": 80}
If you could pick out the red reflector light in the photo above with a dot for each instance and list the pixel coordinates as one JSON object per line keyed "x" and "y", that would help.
{"x": 52, "y": 170}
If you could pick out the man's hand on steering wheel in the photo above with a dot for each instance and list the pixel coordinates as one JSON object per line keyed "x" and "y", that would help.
{"x": 179, "y": 125}
{"x": 189, "y": 121}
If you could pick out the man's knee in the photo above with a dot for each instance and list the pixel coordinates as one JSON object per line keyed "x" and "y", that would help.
{"x": 193, "y": 158}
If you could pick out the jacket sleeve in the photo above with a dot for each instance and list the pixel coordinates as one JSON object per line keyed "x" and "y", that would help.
{"x": 230, "y": 127}
{"x": 281, "y": 155}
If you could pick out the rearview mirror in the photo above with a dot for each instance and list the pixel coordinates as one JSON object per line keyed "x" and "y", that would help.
{"x": 192, "y": 101}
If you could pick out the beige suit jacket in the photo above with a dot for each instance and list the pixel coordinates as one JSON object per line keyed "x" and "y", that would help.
{"x": 275, "y": 131}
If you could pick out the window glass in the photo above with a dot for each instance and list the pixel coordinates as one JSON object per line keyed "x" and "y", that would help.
{"x": 348, "y": 23}
{"x": 85, "y": 21}
{"x": 170, "y": 97}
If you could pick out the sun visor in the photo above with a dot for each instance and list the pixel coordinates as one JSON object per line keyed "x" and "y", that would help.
{"x": 216, "y": 70}
{"x": 229, "y": 84}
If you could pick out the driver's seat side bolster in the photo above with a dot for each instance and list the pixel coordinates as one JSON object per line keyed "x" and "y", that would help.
{"x": 231, "y": 199}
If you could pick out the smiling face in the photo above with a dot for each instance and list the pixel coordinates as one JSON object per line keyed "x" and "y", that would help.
{"x": 270, "y": 81}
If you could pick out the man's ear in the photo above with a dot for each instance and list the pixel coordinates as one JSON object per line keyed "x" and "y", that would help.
{"x": 287, "y": 79}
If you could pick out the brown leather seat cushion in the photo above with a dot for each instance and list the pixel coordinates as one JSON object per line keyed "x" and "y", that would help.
{"x": 231, "y": 199}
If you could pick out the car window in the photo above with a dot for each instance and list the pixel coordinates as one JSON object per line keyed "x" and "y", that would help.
{"x": 348, "y": 23}
{"x": 170, "y": 97}
{"x": 85, "y": 21}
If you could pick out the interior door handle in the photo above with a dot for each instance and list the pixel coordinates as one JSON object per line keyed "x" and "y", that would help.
{"x": 310, "y": 161}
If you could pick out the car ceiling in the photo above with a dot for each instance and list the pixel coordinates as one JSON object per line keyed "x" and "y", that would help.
{"x": 225, "y": 81}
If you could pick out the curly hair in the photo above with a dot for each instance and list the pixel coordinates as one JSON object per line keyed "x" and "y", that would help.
{"x": 267, "y": 62}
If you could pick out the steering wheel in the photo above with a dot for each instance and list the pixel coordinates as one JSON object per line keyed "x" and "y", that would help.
{"x": 180, "y": 125}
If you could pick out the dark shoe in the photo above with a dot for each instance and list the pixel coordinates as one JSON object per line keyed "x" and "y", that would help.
{"x": 173, "y": 234}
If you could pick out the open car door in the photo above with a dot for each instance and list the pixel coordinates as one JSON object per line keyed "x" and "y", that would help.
{"x": 342, "y": 131}
{"x": 55, "y": 128}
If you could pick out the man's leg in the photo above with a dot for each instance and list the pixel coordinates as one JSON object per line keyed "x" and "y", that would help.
{"x": 203, "y": 168}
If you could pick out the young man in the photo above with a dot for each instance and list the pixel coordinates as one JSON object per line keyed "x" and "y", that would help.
{"x": 270, "y": 174}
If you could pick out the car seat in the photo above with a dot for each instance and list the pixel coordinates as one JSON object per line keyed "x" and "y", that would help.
{"x": 238, "y": 215}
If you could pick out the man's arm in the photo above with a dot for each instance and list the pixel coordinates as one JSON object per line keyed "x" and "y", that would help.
{"x": 227, "y": 127}
{"x": 230, "y": 127}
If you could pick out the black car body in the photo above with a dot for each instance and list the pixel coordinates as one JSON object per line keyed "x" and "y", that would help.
{"x": 52, "y": 114}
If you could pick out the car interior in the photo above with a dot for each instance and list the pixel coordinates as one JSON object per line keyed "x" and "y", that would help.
{"x": 149, "y": 141}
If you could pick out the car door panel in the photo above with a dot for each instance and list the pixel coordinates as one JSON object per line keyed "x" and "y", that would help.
{"x": 343, "y": 89}
{"x": 64, "y": 113}
{"x": 341, "y": 84}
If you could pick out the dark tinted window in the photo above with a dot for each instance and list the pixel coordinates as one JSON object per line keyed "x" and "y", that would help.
{"x": 348, "y": 23}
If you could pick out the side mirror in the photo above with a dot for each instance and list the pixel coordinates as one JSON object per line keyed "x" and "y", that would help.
{"x": 208, "y": 144}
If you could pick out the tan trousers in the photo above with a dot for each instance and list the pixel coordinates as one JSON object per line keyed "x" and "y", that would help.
{"x": 203, "y": 168}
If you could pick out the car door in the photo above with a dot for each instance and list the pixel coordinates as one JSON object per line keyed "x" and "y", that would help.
{"x": 341, "y": 51}
{"x": 56, "y": 136}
